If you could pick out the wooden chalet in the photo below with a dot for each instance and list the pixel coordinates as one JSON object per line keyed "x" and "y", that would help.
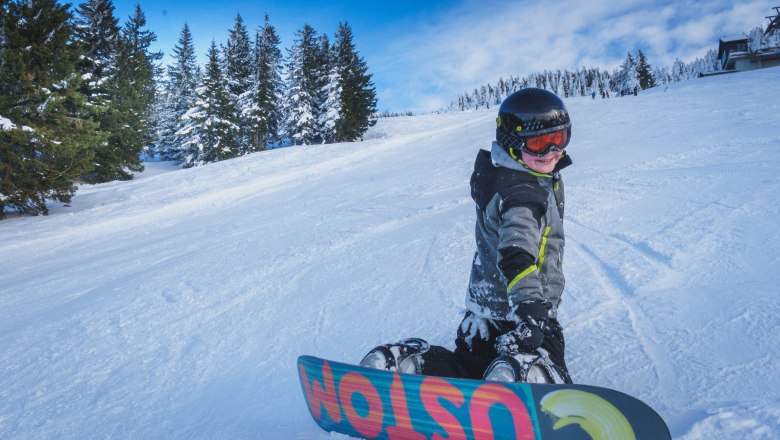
{"x": 735, "y": 54}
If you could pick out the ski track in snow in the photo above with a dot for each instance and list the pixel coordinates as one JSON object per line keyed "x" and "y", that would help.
{"x": 617, "y": 291}
{"x": 175, "y": 305}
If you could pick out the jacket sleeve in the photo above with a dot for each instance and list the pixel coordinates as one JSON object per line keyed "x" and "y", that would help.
{"x": 520, "y": 237}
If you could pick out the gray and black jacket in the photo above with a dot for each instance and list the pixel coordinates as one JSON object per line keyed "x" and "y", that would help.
{"x": 519, "y": 234}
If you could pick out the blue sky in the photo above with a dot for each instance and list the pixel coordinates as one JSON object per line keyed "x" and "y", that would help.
{"x": 423, "y": 53}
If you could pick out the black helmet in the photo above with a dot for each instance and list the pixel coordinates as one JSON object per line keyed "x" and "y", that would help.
{"x": 530, "y": 112}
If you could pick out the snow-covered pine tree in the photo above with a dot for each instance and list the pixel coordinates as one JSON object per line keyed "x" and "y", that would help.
{"x": 644, "y": 72}
{"x": 758, "y": 39}
{"x": 712, "y": 61}
{"x": 97, "y": 32}
{"x": 566, "y": 86}
{"x": 48, "y": 137}
{"x": 210, "y": 133}
{"x": 555, "y": 79}
{"x": 264, "y": 115}
{"x": 331, "y": 107}
{"x": 126, "y": 135}
{"x": 662, "y": 75}
{"x": 165, "y": 122}
{"x": 358, "y": 95}
{"x": 483, "y": 96}
{"x": 626, "y": 81}
{"x": 141, "y": 67}
{"x": 133, "y": 92}
{"x": 324, "y": 68}
{"x": 573, "y": 83}
{"x": 541, "y": 82}
{"x": 302, "y": 87}
{"x": 238, "y": 75}
{"x": 755, "y": 38}
{"x": 587, "y": 80}
{"x": 178, "y": 96}
{"x": 678, "y": 71}
{"x": 605, "y": 79}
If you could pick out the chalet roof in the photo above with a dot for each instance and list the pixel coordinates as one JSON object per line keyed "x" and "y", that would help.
{"x": 733, "y": 39}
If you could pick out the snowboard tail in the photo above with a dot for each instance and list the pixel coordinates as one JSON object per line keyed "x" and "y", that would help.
{"x": 377, "y": 404}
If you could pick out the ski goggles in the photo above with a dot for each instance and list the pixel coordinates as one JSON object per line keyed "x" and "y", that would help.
{"x": 543, "y": 144}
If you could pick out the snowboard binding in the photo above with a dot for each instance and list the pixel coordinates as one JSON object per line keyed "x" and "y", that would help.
{"x": 527, "y": 368}
{"x": 404, "y": 356}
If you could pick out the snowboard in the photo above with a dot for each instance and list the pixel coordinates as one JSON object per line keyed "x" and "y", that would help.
{"x": 377, "y": 404}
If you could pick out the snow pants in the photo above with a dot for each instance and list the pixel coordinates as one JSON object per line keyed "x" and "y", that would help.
{"x": 471, "y": 358}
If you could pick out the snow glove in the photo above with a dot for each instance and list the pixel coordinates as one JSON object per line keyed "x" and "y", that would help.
{"x": 529, "y": 334}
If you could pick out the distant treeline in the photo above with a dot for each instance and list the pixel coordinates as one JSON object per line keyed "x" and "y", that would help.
{"x": 633, "y": 75}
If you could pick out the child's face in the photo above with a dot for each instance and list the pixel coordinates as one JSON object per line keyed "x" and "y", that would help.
{"x": 545, "y": 164}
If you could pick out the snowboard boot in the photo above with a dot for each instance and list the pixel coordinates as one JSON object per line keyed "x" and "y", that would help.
{"x": 404, "y": 356}
{"x": 526, "y": 367}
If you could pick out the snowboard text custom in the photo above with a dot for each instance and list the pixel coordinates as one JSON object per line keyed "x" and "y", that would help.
{"x": 377, "y": 404}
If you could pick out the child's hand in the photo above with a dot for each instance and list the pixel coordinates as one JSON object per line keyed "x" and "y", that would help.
{"x": 527, "y": 337}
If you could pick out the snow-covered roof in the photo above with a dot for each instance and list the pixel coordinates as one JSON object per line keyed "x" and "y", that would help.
{"x": 734, "y": 39}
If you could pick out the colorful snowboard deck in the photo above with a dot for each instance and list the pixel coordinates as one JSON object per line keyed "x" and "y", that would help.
{"x": 375, "y": 404}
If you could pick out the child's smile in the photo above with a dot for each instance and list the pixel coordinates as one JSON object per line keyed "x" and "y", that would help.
{"x": 545, "y": 164}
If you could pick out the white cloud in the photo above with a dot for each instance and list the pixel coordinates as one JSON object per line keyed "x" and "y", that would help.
{"x": 479, "y": 41}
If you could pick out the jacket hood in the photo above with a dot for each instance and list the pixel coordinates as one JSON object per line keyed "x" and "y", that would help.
{"x": 495, "y": 170}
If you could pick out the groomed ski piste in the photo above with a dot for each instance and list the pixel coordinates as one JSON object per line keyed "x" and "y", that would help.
{"x": 175, "y": 305}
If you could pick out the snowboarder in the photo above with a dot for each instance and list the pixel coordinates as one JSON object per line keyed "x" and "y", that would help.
{"x": 510, "y": 331}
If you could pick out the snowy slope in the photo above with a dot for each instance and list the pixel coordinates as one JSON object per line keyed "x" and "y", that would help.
{"x": 175, "y": 305}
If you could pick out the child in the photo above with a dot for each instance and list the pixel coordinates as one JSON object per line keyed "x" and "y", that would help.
{"x": 510, "y": 331}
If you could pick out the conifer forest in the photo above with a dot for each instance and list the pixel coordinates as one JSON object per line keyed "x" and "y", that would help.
{"x": 84, "y": 99}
